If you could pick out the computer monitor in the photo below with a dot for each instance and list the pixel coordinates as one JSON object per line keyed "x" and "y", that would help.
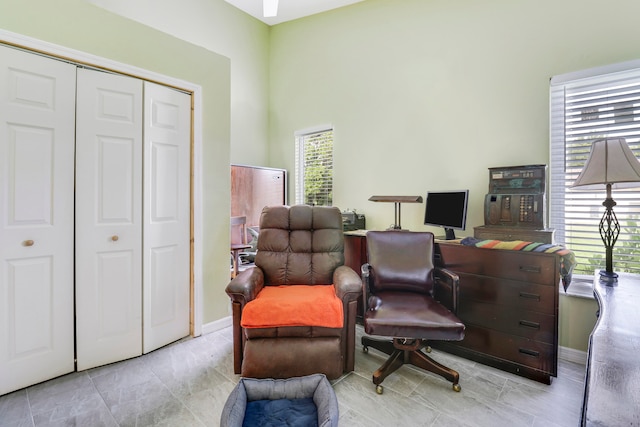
{"x": 447, "y": 209}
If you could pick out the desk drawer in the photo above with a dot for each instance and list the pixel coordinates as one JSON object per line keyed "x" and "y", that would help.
{"x": 527, "y": 352}
{"x": 512, "y": 265}
{"x": 519, "y": 295}
{"x": 510, "y": 320}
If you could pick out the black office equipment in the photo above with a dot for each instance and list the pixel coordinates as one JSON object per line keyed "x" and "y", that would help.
{"x": 351, "y": 220}
{"x": 515, "y": 207}
{"x": 447, "y": 209}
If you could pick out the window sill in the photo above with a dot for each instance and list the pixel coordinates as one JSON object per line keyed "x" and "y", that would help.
{"x": 581, "y": 287}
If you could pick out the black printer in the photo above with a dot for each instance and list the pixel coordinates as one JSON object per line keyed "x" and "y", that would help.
{"x": 352, "y": 220}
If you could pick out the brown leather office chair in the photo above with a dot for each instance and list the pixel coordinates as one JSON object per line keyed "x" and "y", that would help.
{"x": 299, "y": 270}
{"x": 405, "y": 298}
{"x": 238, "y": 225}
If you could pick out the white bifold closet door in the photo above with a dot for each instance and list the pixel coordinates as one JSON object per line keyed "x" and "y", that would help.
{"x": 166, "y": 216}
{"x": 132, "y": 217}
{"x": 37, "y": 121}
{"x": 124, "y": 229}
{"x": 108, "y": 218}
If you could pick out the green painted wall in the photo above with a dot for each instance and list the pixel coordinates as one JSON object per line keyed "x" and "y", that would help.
{"x": 79, "y": 25}
{"x": 427, "y": 95}
{"x": 224, "y": 29}
{"x": 577, "y": 320}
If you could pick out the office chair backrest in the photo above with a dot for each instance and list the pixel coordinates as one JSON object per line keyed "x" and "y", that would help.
{"x": 401, "y": 261}
{"x": 300, "y": 245}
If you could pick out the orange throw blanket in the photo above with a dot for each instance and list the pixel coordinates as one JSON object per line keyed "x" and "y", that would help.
{"x": 294, "y": 305}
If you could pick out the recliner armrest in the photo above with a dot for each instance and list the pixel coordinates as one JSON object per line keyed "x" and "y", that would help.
{"x": 347, "y": 283}
{"x": 446, "y": 288}
{"x": 246, "y": 285}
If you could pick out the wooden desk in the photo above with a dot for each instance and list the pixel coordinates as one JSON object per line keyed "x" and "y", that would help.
{"x": 612, "y": 385}
{"x": 508, "y": 301}
{"x": 355, "y": 254}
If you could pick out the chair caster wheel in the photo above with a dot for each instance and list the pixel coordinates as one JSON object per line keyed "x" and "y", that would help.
{"x": 457, "y": 388}
{"x": 379, "y": 389}
{"x": 365, "y": 349}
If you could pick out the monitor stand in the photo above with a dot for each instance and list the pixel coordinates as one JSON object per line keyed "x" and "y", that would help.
{"x": 449, "y": 234}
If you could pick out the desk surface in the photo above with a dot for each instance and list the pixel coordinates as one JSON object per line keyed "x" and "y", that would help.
{"x": 612, "y": 387}
{"x": 363, "y": 233}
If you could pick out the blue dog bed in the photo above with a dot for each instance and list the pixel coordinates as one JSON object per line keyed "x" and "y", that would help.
{"x": 301, "y": 401}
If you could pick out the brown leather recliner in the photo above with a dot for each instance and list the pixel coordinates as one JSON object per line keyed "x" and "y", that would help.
{"x": 406, "y": 298}
{"x": 298, "y": 245}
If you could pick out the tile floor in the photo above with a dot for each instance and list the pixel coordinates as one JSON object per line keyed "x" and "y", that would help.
{"x": 187, "y": 383}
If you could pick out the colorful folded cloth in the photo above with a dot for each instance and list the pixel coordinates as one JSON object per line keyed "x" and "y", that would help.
{"x": 567, "y": 257}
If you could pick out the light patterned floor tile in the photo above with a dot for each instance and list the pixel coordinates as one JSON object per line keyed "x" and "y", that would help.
{"x": 187, "y": 384}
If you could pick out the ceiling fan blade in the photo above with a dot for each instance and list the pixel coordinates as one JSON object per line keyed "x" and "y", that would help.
{"x": 270, "y": 8}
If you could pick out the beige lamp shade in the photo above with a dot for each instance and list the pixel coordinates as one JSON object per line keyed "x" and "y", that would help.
{"x": 611, "y": 162}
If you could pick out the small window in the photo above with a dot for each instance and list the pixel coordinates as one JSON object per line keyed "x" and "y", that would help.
{"x": 314, "y": 166}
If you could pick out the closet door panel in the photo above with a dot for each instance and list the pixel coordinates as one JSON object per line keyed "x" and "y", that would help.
{"x": 108, "y": 218}
{"x": 166, "y": 278}
{"x": 37, "y": 114}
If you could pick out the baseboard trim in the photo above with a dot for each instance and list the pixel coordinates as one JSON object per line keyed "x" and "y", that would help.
{"x": 216, "y": 325}
{"x": 572, "y": 355}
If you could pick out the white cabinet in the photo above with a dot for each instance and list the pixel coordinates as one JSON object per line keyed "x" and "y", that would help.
{"x": 129, "y": 212}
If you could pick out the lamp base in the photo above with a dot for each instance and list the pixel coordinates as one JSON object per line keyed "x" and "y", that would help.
{"x": 395, "y": 227}
{"x": 609, "y": 278}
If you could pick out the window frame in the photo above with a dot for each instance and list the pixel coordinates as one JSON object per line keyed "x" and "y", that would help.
{"x": 300, "y": 137}
{"x": 563, "y": 202}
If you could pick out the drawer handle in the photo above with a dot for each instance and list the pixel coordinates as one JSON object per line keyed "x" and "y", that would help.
{"x": 530, "y": 268}
{"x": 28, "y": 243}
{"x": 529, "y": 324}
{"x": 529, "y": 352}
{"x": 529, "y": 296}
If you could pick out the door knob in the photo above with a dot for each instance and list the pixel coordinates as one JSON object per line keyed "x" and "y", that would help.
{"x": 28, "y": 243}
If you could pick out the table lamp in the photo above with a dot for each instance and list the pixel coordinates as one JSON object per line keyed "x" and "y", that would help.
{"x": 611, "y": 163}
{"x": 397, "y": 200}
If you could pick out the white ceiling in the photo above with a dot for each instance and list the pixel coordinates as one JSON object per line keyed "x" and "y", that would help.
{"x": 288, "y": 10}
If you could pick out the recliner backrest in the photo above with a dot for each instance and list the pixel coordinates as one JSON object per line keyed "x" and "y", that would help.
{"x": 300, "y": 245}
{"x": 401, "y": 261}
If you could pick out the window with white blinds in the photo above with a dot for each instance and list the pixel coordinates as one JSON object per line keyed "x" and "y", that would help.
{"x": 585, "y": 107}
{"x": 314, "y": 166}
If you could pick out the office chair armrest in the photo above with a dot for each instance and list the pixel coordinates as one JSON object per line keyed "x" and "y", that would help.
{"x": 246, "y": 285}
{"x": 446, "y": 290}
{"x": 365, "y": 272}
{"x": 347, "y": 283}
